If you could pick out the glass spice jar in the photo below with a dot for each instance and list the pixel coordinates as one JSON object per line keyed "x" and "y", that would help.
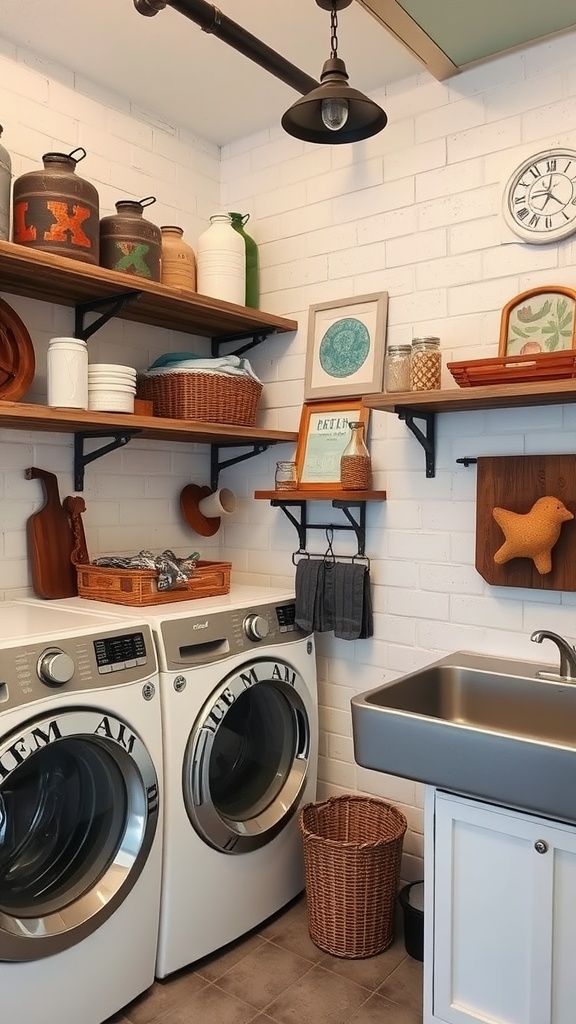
{"x": 355, "y": 463}
{"x": 425, "y": 364}
{"x": 397, "y": 368}
{"x": 286, "y": 478}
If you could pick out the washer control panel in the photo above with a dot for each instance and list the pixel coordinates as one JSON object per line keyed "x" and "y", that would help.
{"x": 73, "y": 664}
{"x": 204, "y": 639}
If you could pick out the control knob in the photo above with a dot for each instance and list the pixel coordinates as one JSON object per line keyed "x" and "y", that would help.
{"x": 256, "y": 627}
{"x": 55, "y": 667}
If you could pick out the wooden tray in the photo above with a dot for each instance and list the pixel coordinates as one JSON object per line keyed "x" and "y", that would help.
{"x": 514, "y": 369}
{"x": 138, "y": 587}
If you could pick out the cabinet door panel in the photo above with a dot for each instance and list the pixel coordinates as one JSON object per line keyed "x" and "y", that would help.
{"x": 484, "y": 915}
{"x": 563, "y": 995}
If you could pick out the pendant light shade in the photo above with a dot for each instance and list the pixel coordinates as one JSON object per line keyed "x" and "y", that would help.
{"x": 334, "y": 113}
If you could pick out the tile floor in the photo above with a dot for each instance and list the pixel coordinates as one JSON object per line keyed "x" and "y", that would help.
{"x": 276, "y": 975}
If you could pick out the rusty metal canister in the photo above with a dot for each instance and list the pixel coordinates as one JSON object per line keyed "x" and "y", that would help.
{"x": 130, "y": 243}
{"x": 57, "y": 211}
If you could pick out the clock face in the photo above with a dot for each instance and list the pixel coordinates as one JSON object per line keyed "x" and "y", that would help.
{"x": 540, "y": 197}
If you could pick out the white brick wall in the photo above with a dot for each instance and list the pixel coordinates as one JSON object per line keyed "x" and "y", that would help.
{"x": 431, "y": 234}
{"x": 414, "y": 211}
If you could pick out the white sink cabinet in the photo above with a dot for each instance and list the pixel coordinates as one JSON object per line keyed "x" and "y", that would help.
{"x": 500, "y": 915}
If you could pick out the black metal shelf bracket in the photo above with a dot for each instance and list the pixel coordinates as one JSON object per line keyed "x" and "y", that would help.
{"x": 428, "y": 439}
{"x": 116, "y": 304}
{"x": 252, "y": 339}
{"x": 302, "y": 525}
{"x": 81, "y": 460}
{"x": 217, "y": 464}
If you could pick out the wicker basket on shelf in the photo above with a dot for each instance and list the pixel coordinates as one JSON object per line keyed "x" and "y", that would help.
{"x": 352, "y": 855}
{"x": 185, "y": 394}
{"x": 139, "y": 587}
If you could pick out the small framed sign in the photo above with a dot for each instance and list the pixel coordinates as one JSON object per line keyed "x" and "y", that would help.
{"x": 538, "y": 321}
{"x": 346, "y": 343}
{"x": 323, "y": 435}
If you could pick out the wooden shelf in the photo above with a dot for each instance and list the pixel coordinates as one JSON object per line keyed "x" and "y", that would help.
{"x": 312, "y": 495}
{"x": 19, "y": 416}
{"x": 500, "y": 396}
{"x": 41, "y": 275}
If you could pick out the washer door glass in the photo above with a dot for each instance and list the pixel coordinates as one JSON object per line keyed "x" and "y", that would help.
{"x": 78, "y": 811}
{"x": 247, "y": 757}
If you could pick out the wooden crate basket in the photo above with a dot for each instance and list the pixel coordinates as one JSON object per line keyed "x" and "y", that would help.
{"x": 138, "y": 587}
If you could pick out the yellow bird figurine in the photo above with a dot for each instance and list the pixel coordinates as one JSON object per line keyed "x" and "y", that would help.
{"x": 532, "y": 534}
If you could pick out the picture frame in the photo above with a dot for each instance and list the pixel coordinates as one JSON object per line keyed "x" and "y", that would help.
{"x": 322, "y": 437}
{"x": 345, "y": 347}
{"x": 539, "y": 321}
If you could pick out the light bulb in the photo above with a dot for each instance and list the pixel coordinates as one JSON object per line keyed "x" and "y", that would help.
{"x": 334, "y": 113}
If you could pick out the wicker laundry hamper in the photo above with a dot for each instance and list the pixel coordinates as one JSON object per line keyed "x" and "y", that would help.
{"x": 352, "y": 854}
{"x": 208, "y": 397}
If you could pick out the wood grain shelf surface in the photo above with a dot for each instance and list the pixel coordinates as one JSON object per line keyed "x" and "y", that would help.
{"x": 312, "y": 495}
{"x": 20, "y": 416}
{"x": 498, "y": 396}
{"x": 50, "y": 278}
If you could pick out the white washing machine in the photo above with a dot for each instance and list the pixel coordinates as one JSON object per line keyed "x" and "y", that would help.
{"x": 240, "y": 721}
{"x": 80, "y": 813}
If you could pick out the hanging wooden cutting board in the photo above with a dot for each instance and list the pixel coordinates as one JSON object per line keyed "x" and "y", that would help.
{"x": 50, "y": 543}
{"x": 515, "y": 483}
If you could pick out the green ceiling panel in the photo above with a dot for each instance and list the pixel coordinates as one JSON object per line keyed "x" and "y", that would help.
{"x": 468, "y": 31}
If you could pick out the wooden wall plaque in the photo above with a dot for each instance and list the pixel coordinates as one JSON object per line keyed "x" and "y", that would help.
{"x": 515, "y": 483}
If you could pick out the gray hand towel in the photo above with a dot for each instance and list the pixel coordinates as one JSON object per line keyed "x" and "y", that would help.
{"x": 306, "y": 586}
{"x": 325, "y": 597}
{"x": 367, "y": 617}
{"x": 348, "y": 599}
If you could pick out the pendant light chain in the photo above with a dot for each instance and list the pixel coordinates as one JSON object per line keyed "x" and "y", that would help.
{"x": 334, "y": 30}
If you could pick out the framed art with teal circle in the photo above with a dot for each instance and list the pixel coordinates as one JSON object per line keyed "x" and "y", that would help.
{"x": 346, "y": 347}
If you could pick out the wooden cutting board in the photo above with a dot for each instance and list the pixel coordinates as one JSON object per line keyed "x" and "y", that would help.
{"x": 50, "y": 543}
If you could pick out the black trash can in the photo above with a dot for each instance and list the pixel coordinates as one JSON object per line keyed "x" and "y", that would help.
{"x": 411, "y": 899}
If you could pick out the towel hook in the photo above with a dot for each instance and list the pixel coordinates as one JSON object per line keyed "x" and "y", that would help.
{"x": 302, "y": 552}
{"x": 329, "y": 556}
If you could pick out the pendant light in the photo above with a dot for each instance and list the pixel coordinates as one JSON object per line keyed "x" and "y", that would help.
{"x": 334, "y": 113}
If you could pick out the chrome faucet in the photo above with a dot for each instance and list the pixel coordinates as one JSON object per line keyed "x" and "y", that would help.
{"x": 566, "y": 651}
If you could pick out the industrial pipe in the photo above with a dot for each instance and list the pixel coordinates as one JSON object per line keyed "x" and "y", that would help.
{"x": 211, "y": 20}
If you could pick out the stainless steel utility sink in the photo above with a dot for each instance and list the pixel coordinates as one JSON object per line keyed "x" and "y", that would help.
{"x": 486, "y": 727}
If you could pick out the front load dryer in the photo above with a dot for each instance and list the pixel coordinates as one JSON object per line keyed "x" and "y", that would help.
{"x": 80, "y": 813}
{"x": 240, "y": 725}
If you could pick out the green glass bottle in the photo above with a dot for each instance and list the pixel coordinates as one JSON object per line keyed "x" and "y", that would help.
{"x": 252, "y": 270}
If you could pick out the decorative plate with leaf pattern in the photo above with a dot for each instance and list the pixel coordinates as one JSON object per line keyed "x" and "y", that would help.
{"x": 539, "y": 321}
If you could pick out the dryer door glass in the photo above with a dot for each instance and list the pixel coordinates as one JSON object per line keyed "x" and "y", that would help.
{"x": 73, "y": 824}
{"x": 247, "y": 757}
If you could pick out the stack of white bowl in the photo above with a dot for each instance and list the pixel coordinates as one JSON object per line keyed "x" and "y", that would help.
{"x": 111, "y": 387}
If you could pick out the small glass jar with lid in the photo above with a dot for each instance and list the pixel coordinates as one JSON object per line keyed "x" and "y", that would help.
{"x": 286, "y": 476}
{"x": 425, "y": 364}
{"x": 397, "y": 368}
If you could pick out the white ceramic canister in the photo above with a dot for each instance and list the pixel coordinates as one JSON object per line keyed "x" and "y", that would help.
{"x": 67, "y": 372}
{"x": 5, "y": 186}
{"x": 221, "y": 260}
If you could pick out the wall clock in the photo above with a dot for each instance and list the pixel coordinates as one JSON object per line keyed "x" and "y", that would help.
{"x": 539, "y": 202}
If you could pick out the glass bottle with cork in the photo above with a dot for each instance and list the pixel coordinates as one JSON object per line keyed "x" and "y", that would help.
{"x": 355, "y": 462}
